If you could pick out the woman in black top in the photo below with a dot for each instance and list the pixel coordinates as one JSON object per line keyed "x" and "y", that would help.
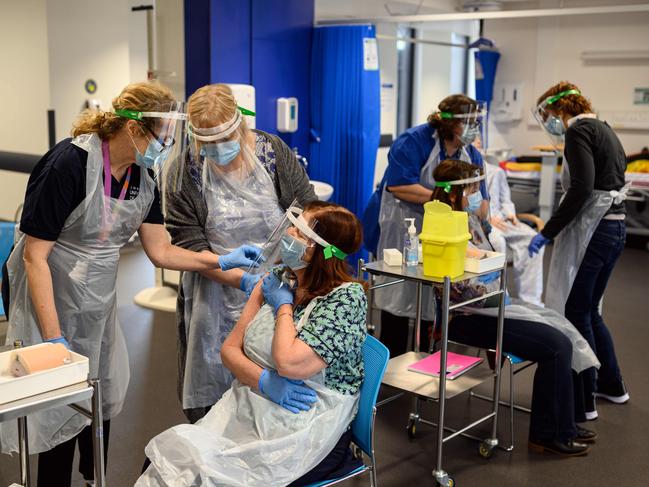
{"x": 588, "y": 229}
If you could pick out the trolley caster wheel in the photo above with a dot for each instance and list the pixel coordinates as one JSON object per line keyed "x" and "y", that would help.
{"x": 412, "y": 429}
{"x": 486, "y": 451}
{"x": 450, "y": 482}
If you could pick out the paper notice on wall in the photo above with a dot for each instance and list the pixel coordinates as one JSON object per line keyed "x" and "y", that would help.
{"x": 641, "y": 96}
{"x": 370, "y": 54}
{"x": 387, "y": 97}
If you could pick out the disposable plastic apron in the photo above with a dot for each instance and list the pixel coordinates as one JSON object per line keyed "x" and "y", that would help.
{"x": 583, "y": 356}
{"x": 400, "y": 299}
{"x": 239, "y": 212}
{"x": 246, "y": 439}
{"x": 571, "y": 244}
{"x": 83, "y": 263}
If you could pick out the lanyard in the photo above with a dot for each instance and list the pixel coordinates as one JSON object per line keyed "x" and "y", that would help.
{"x": 107, "y": 173}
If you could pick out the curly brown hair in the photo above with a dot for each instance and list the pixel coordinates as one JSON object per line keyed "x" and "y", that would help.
{"x": 451, "y": 104}
{"x": 571, "y": 105}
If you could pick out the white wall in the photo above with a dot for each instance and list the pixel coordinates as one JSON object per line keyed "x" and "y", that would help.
{"x": 171, "y": 44}
{"x": 24, "y": 78}
{"x": 88, "y": 39}
{"x": 539, "y": 53}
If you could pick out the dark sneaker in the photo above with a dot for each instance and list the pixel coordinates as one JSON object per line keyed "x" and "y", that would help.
{"x": 585, "y": 436}
{"x": 615, "y": 393}
{"x": 570, "y": 448}
{"x": 591, "y": 409}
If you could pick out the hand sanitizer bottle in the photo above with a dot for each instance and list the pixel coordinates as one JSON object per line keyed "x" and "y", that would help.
{"x": 411, "y": 245}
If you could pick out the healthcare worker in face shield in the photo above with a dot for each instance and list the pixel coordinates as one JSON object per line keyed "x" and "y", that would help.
{"x": 85, "y": 199}
{"x": 407, "y": 184}
{"x": 588, "y": 229}
{"x": 236, "y": 185}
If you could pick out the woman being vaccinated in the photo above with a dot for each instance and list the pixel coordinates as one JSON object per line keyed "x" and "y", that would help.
{"x": 231, "y": 187}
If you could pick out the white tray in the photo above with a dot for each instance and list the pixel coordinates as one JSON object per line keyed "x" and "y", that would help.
{"x": 493, "y": 261}
{"x": 14, "y": 388}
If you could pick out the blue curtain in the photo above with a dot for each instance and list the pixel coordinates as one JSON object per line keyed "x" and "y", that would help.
{"x": 345, "y": 111}
{"x": 486, "y": 62}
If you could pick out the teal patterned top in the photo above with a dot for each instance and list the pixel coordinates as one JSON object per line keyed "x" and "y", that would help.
{"x": 336, "y": 330}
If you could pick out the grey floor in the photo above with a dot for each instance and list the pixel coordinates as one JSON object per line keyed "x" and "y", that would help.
{"x": 620, "y": 456}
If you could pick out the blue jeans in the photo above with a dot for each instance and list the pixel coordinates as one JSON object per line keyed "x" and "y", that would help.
{"x": 582, "y": 306}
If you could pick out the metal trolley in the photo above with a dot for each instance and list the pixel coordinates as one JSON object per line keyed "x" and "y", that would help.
{"x": 423, "y": 387}
{"x": 65, "y": 396}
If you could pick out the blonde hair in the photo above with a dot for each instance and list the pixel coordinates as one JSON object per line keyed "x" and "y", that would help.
{"x": 212, "y": 105}
{"x": 145, "y": 96}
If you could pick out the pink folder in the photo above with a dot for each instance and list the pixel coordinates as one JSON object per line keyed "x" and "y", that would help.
{"x": 456, "y": 364}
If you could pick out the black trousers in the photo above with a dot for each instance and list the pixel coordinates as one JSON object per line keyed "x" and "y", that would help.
{"x": 553, "y": 405}
{"x": 394, "y": 333}
{"x": 55, "y": 465}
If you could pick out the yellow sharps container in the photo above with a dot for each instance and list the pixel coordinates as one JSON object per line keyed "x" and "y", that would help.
{"x": 445, "y": 236}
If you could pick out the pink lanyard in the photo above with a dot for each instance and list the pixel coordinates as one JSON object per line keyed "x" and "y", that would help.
{"x": 107, "y": 173}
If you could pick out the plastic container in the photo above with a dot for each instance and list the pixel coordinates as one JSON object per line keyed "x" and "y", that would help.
{"x": 491, "y": 262}
{"x": 445, "y": 235}
{"x": 14, "y": 388}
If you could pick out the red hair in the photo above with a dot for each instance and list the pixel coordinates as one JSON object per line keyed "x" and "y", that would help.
{"x": 340, "y": 227}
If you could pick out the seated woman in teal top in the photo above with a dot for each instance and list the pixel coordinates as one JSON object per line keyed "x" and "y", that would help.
{"x": 296, "y": 353}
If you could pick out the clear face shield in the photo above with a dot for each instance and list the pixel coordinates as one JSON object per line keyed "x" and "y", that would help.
{"x": 551, "y": 123}
{"x": 289, "y": 242}
{"x": 471, "y": 117}
{"x": 472, "y": 195}
{"x": 163, "y": 130}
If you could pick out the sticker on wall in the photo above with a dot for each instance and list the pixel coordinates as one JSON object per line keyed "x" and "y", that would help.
{"x": 641, "y": 96}
{"x": 91, "y": 86}
{"x": 370, "y": 54}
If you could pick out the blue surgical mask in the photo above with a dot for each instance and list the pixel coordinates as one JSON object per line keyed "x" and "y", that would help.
{"x": 222, "y": 153}
{"x": 474, "y": 200}
{"x": 292, "y": 251}
{"x": 554, "y": 125}
{"x": 469, "y": 134}
{"x": 152, "y": 155}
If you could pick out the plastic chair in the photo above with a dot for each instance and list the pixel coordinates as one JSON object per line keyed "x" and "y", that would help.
{"x": 6, "y": 242}
{"x": 375, "y": 358}
{"x": 512, "y": 360}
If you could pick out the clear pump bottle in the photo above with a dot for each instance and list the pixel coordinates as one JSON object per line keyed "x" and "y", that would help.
{"x": 411, "y": 245}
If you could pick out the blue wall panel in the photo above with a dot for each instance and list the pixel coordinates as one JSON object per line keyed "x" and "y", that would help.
{"x": 197, "y": 44}
{"x": 230, "y": 41}
{"x": 266, "y": 43}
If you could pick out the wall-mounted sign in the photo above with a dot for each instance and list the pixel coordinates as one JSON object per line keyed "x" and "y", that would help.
{"x": 641, "y": 96}
{"x": 90, "y": 86}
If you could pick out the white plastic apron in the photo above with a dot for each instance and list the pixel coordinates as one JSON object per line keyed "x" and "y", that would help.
{"x": 83, "y": 263}
{"x": 242, "y": 209}
{"x": 583, "y": 356}
{"x": 400, "y": 299}
{"x": 571, "y": 244}
{"x": 246, "y": 439}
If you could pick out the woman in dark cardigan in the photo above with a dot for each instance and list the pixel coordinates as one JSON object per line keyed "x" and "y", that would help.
{"x": 236, "y": 184}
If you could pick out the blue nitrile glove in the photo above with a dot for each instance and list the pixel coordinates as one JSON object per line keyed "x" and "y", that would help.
{"x": 244, "y": 256}
{"x": 488, "y": 278}
{"x": 288, "y": 393}
{"x": 248, "y": 282}
{"x": 276, "y": 293}
{"x": 60, "y": 339}
{"x": 508, "y": 300}
{"x": 536, "y": 244}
